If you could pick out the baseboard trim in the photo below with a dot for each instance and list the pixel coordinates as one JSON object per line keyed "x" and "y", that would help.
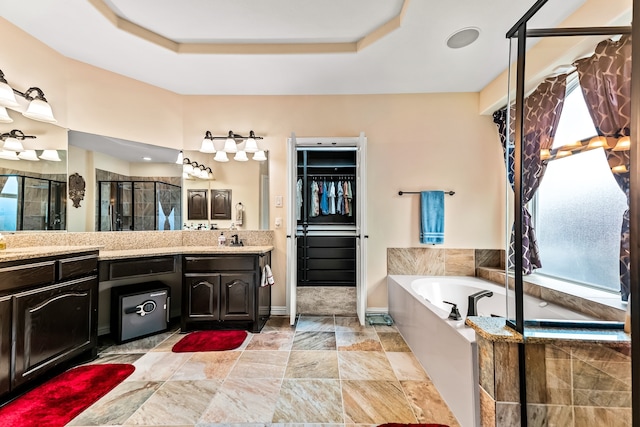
{"x": 377, "y": 310}
{"x": 279, "y": 310}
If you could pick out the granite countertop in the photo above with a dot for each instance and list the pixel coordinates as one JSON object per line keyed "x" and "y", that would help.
{"x": 17, "y": 254}
{"x": 494, "y": 329}
{"x": 25, "y": 253}
{"x": 177, "y": 250}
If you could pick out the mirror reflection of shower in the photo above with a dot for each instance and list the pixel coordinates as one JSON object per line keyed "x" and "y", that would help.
{"x": 139, "y": 205}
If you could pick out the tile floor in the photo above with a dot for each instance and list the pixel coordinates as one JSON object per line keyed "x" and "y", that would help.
{"x": 325, "y": 370}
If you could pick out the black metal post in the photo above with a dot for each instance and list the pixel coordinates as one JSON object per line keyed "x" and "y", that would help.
{"x": 518, "y": 203}
{"x": 634, "y": 218}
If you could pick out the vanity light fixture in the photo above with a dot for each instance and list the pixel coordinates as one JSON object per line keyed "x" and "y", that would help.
{"x": 221, "y": 156}
{"x": 4, "y": 116}
{"x": 29, "y": 155}
{"x": 50, "y": 155}
{"x": 38, "y": 108}
{"x": 233, "y": 144}
{"x": 260, "y": 156}
{"x": 180, "y": 158}
{"x": 207, "y": 144}
{"x": 9, "y": 155}
{"x": 241, "y": 156}
{"x": 192, "y": 170}
{"x": 13, "y": 140}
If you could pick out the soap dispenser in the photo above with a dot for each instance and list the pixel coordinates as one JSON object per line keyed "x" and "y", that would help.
{"x": 221, "y": 239}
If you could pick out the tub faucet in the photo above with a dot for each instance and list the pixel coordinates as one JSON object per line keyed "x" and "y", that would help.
{"x": 472, "y": 309}
{"x": 455, "y": 314}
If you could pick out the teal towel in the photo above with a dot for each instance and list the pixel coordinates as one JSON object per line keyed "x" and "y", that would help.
{"x": 432, "y": 217}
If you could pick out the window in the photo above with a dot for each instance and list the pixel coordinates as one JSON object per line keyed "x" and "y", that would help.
{"x": 579, "y": 207}
{"x": 8, "y": 203}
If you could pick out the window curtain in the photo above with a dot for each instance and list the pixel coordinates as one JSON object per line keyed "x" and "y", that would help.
{"x": 605, "y": 78}
{"x": 542, "y": 111}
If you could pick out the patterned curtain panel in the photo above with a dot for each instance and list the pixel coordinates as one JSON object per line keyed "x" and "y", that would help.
{"x": 542, "y": 111}
{"x": 605, "y": 78}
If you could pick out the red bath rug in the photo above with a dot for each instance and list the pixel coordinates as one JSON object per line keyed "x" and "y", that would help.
{"x": 210, "y": 341}
{"x": 59, "y": 400}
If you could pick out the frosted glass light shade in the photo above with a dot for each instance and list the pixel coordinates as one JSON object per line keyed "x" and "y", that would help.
{"x": 12, "y": 144}
{"x": 9, "y": 155}
{"x": 207, "y": 146}
{"x": 180, "y": 158}
{"x": 241, "y": 156}
{"x": 40, "y": 110}
{"x": 260, "y": 156}
{"x": 188, "y": 168}
{"x": 230, "y": 146}
{"x": 51, "y": 155}
{"x": 7, "y": 97}
{"x": 4, "y": 116}
{"x": 29, "y": 155}
{"x": 221, "y": 156}
{"x": 251, "y": 146}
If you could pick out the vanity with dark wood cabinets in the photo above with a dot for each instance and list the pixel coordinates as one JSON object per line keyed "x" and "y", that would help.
{"x": 48, "y": 314}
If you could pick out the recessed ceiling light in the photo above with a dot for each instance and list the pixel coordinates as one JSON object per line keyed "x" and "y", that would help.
{"x": 148, "y": 159}
{"x": 463, "y": 37}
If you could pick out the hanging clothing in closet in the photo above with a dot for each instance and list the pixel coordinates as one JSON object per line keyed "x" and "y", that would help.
{"x": 299, "y": 198}
{"x": 314, "y": 209}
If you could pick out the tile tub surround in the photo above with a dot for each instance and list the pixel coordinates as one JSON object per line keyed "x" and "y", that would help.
{"x": 598, "y": 308}
{"x": 568, "y": 384}
{"x": 347, "y": 382}
{"x": 441, "y": 262}
{"x": 123, "y": 240}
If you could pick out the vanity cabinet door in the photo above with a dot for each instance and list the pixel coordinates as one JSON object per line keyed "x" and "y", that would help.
{"x": 220, "y": 204}
{"x": 237, "y": 299}
{"x": 5, "y": 344}
{"x": 202, "y": 299}
{"x": 197, "y": 204}
{"x": 52, "y": 325}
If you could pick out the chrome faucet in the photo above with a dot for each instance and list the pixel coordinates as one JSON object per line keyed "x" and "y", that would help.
{"x": 472, "y": 308}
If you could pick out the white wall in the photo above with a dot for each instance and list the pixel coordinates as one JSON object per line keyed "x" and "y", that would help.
{"x": 416, "y": 142}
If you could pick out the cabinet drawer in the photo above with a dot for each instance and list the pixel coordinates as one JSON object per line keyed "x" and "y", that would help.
{"x": 25, "y": 275}
{"x": 139, "y": 267}
{"x": 70, "y": 268}
{"x": 226, "y": 263}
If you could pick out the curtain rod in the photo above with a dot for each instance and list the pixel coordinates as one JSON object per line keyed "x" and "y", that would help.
{"x": 400, "y": 193}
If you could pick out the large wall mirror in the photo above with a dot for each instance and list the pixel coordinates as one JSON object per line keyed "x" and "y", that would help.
{"x": 235, "y": 195}
{"x": 136, "y": 186}
{"x": 33, "y": 182}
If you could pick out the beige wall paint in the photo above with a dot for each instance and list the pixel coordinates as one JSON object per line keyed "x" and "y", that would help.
{"x": 416, "y": 142}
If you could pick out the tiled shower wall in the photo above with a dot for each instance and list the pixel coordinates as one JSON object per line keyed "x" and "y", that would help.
{"x": 441, "y": 262}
